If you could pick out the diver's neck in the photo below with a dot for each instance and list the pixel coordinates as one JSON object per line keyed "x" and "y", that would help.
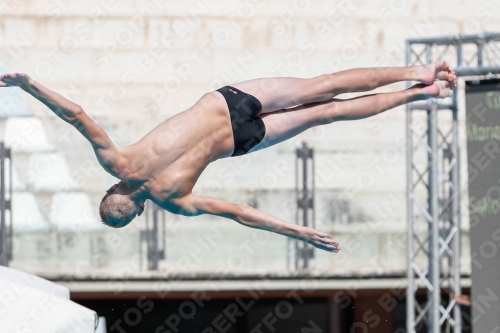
{"x": 140, "y": 195}
{"x": 136, "y": 192}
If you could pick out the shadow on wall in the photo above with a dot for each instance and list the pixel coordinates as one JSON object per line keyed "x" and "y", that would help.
{"x": 343, "y": 211}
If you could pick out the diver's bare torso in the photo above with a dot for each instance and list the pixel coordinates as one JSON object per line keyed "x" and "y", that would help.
{"x": 169, "y": 159}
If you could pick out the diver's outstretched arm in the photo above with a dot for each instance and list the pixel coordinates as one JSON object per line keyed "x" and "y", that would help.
{"x": 192, "y": 205}
{"x": 107, "y": 153}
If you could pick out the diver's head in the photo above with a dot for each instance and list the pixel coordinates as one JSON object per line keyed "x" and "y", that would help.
{"x": 117, "y": 208}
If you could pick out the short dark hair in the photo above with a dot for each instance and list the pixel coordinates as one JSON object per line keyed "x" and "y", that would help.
{"x": 116, "y": 210}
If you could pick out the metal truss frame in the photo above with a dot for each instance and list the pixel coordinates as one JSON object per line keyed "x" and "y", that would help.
{"x": 5, "y": 205}
{"x": 304, "y": 180}
{"x": 153, "y": 237}
{"x": 433, "y": 183}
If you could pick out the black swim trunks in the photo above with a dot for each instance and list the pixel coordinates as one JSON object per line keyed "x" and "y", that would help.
{"x": 248, "y": 127}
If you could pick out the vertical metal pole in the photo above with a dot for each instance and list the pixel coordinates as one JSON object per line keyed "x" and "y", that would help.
{"x": 305, "y": 201}
{"x": 292, "y": 244}
{"x": 480, "y": 54}
{"x": 162, "y": 253}
{"x": 433, "y": 294}
{"x": 313, "y": 186}
{"x": 456, "y": 209}
{"x": 410, "y": 297}
{"x": 299, "y": 207}
{"x": 153, "y": 236}
{"x": 455, "y": 216}
{"x": 430, "y": 208}
{"x": 335, "y": 315}
{"x": 154, "y": 240}
{"x": 10, "y": 231}
{"x": 146, "y": 234}
{"x": 434, "y": 271}
{"x": 430, "y": 203}
{"x": 3, "y": 231}
{"x": 459, "y": 55}
{"x": 455, "y": 246}
{"x": 304, "y": 252}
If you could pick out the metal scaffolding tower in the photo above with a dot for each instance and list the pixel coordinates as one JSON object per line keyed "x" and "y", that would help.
{"x": 153, "y": 237}
{"x": 305, "y": 203}
{"x": 5, "y": 205}
{"x": 433, "y": 182}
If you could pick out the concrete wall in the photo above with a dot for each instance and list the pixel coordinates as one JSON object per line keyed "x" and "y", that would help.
{"x": 132, "y": 64}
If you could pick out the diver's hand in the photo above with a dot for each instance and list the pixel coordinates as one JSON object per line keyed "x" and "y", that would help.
{"x": 320, "y": 240}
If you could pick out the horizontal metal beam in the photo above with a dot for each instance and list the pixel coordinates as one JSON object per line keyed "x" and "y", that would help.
{"x": 471, "y": 71}
{"x": 243, "y": 284}
{"x": 427, "y": 107}
{"x": 456, "y": 38}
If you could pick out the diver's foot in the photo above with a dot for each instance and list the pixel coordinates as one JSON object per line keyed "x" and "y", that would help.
{"x": 439, "y": 70}
{"x": 439, "y": 89}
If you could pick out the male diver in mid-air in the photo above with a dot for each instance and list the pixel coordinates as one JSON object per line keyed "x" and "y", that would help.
{"x": 239, "y": 119}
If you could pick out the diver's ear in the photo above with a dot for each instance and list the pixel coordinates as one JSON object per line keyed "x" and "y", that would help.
{"x": 112, "y": 188}
{"x": 141, "y": 210}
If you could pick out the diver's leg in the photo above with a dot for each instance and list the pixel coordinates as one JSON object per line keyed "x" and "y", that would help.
{"x": 285, "y": 124}
{"x": 282, "y": 93}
